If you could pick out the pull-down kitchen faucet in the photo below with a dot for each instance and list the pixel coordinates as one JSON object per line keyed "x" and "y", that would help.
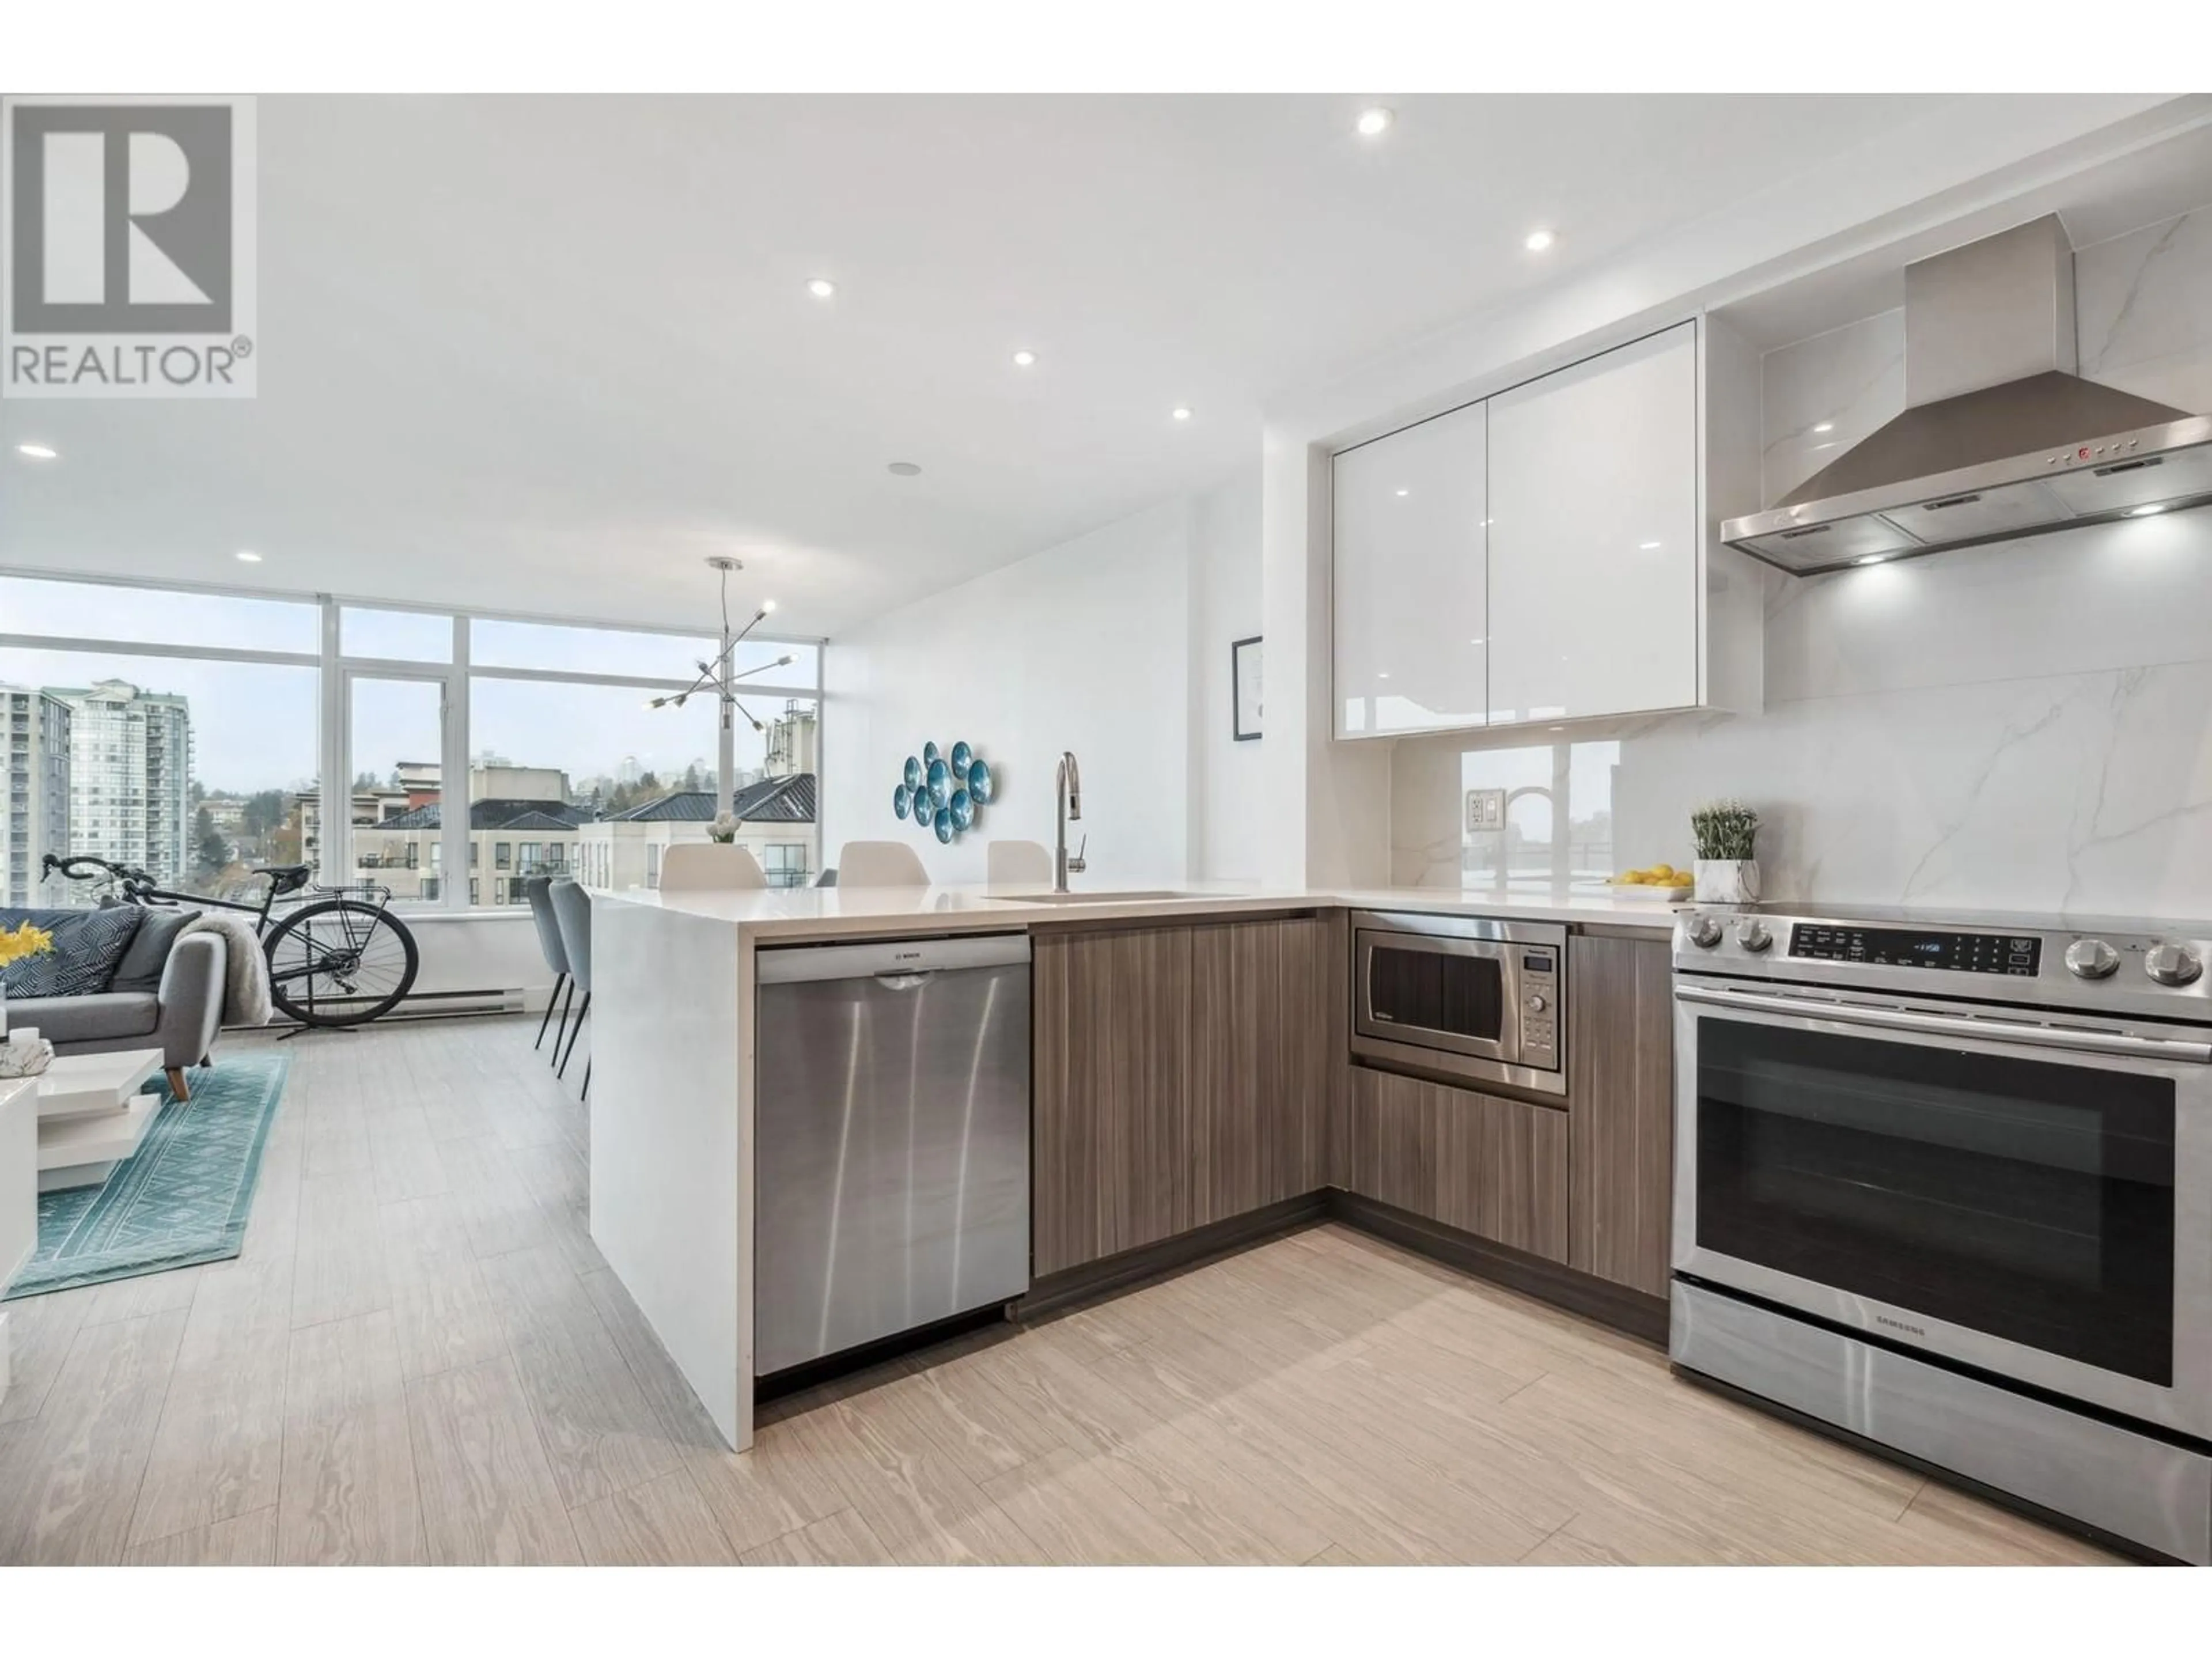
{"x": 1067, "y": 803}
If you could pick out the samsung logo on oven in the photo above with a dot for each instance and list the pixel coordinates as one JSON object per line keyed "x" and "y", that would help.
{"x": 1899, "y": 1325}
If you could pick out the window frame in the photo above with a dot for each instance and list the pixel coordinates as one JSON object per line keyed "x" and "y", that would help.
{"x": 335, "y": 671}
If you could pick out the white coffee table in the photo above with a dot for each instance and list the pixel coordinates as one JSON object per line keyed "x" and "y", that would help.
{"x": 92, "y": 1114}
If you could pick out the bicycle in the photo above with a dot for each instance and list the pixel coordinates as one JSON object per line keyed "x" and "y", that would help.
{"x": 334, "y": 962}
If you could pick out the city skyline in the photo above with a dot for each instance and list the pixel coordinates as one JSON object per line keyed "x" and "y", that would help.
{"x": 256, "y": 723}
{"x": 246, "y": 739}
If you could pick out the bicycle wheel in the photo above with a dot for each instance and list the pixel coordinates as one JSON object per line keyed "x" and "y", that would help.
{"x": 339, "y": 961}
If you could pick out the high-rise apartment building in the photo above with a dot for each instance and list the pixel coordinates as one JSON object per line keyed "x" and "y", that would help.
{"x": 130, "y": 777}
{"x": 34, "y": 770}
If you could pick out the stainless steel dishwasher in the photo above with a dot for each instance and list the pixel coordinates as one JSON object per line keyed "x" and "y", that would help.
{"x": 892, "y": 1139}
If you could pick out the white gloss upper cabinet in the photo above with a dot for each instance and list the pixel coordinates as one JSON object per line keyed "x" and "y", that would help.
{"x": 1595, "y": 577}
{"x": 1410, "y": 651}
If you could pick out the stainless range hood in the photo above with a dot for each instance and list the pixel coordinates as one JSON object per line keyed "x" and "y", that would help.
{"x": 2000, "y": 437}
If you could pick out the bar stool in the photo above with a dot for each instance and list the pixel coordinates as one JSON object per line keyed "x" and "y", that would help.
{"x": 706, "y": 867}
{"x": 572, "y": 909}
{"x": 537, "y": 891}
{"x": 880, "y": 864}
{"x": 1017, "y": 863}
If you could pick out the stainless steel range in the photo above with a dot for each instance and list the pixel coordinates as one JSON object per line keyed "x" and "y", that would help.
{"x": 1945, "y": 1182}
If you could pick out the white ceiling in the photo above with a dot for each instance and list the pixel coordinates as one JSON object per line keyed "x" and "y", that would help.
{"x": 545, "y": 354}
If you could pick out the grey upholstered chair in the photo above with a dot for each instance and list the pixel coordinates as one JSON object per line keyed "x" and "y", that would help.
{"x": 537, "y": 890}
{"x": 572, "y": 910}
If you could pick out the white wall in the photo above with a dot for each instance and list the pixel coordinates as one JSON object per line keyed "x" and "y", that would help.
{"x": 1085, "y": 646}
{"x": 1228, "y": 831}
{"x": 2024, "y": 725}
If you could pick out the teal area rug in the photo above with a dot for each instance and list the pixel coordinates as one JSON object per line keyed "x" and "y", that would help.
{"x": 182, "y": 1197}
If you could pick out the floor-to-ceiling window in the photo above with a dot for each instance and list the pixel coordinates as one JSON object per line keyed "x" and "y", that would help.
{"x": 172, "y": 733}
{"x": 190, "y": 733}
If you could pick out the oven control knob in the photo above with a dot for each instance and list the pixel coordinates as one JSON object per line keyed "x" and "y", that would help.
{"x": 2172, "y": 964}
{"x": 2092, "y": 959}
{"x": 1751, "y": 933}
{"x": 1537, "y": 1004}
{"x": 1705, "y": 932}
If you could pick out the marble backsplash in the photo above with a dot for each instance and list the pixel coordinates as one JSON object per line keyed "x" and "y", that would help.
{"x": 2025, "y": 726}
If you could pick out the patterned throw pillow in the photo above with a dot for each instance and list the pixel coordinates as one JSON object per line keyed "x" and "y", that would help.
{"x": 86, "y": 947}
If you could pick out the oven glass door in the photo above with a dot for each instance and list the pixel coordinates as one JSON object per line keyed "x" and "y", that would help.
{"x": 2028, "y": 1195}
{"x": 1447, "y": 994}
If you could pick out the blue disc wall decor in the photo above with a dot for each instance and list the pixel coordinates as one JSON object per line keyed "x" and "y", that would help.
{"x": 943, "y": 790}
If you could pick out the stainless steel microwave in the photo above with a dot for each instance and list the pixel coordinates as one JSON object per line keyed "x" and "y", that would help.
{"x": 1466, "y": 996}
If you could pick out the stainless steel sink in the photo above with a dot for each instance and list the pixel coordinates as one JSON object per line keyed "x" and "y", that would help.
{"x": 1088, "y": 898}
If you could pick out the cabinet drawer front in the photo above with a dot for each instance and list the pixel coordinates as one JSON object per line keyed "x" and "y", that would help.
{"x": 1489, "y": 1166}
{"x": 1410, "y": 605}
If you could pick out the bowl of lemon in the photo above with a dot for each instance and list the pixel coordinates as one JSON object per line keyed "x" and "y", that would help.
{"x": 1658, "y": 882}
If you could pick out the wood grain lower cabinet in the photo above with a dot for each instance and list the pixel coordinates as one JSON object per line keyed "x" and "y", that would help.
{"x": 1620, "y": 1047}
{"x": 1182, "y": 1077}
{"x": 1110, "y": 1055}
{"x": 1489, "y": 1166}
{"x": 1257, "y": 1099}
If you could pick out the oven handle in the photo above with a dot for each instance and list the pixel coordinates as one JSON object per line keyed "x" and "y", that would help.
{"x": 1903, "y": 1019}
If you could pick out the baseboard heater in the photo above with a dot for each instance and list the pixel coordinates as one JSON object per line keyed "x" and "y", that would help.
{"x": 440, "y": 1005}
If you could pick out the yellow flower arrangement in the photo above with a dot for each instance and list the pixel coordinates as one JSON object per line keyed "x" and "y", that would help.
{"x": 24, "y": 941}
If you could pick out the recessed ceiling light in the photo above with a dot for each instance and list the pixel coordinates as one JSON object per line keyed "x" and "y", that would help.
{"x": 245, "y": 558}
{"x": 903, "y": 470}
{"x": 1024, "y": 359}
{"x": 1180, "y": 413}
{"x": 1381, "y": 674}
{"x": 1871, "y": 558}
{"x": 37, "y": 452}
{"x": 2145, "y": 511}
{"x": 821, "y": 288}
{"x": 1405, "y": 492}
{"x": 1825, "y": 425}
{"x": 767, "y": 605}
{"x": 1647, "y": 547}
{"x": 1373, "y": 123}
{"x": 1537, "y": 240}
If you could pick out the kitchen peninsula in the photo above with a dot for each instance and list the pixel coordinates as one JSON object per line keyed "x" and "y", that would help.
{"x": 1193, "y": 1087}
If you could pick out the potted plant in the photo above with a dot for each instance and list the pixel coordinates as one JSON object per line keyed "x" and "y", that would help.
{"x": 1727, "y": 867}
{"x": 724, "y": 830}
{"x": 16, "y": 944}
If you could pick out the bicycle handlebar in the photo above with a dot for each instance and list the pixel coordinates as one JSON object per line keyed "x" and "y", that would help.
{"x": 83, "y": 867}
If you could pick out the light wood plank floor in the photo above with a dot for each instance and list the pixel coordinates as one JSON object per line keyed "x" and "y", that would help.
{"x": 421, "y": 1358}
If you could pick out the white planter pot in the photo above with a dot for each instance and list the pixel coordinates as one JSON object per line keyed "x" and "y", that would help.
{"x": 1728, "y": 881}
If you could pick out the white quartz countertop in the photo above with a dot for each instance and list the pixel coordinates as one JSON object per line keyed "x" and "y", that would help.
{"x": 828, "y": 912}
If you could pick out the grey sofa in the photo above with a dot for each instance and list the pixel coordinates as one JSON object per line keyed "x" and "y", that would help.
{"x": 167, "y": 994}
